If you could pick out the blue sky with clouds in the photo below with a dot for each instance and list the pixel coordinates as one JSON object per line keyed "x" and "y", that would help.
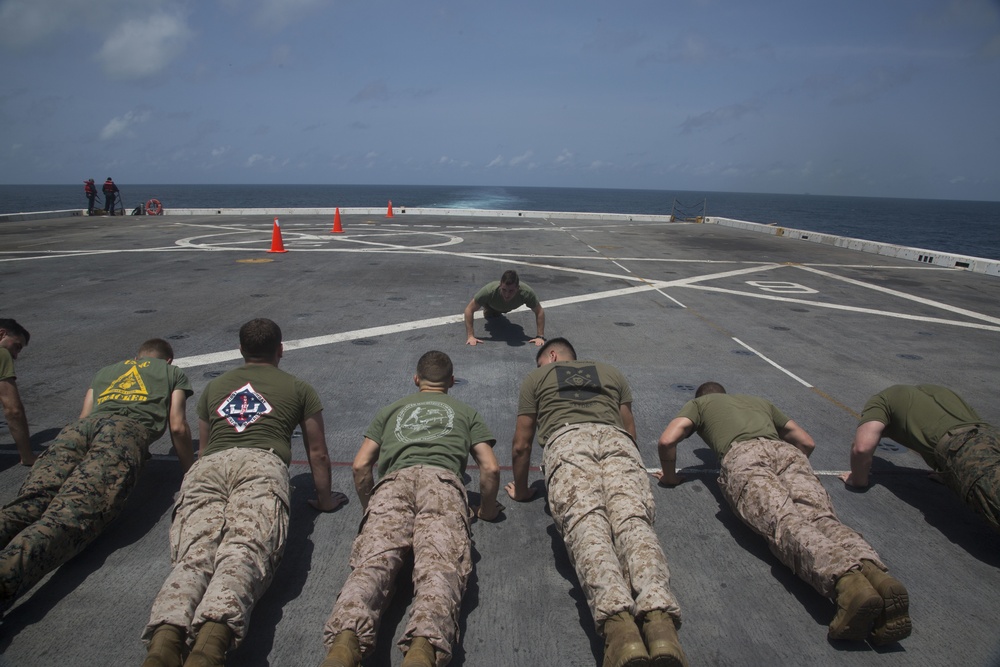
{"x": 870, "y": 97}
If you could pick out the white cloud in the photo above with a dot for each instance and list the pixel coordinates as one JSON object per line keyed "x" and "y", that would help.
{"x": 496, "y": 162}
{"x": 143, "y": 47}
{"x": 514, "y": 161}
{"x": 255, "y": 158}
{"x": 566, "y": 158}
{"x": 121, "y": 124}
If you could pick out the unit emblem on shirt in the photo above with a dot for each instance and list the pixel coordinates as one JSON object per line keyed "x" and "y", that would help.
{"x": 424, "y": 421}
{"x": 578, "y": 384}
{"x": 128, "y": 387}
{"x": 243, "y": 407}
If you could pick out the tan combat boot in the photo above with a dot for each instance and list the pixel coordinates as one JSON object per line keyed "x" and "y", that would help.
{"x": 661, "y": 639}
{"x": 858, "y": 605}
{"x": 210, "y": 646}
{"x": 623, "y": 645}
{"x": 420, "y": 654}
{"x": 345, "y": 651}
{"x": 166, "y": 647}
{"x": 893, "y": 623}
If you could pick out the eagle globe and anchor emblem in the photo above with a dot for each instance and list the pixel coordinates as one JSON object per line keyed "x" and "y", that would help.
{"x": 426, "y": 420}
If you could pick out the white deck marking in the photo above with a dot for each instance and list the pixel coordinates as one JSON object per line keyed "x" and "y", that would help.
{"x": 856, "y": 309}
{"x": 230, "y": 355}
{"x": 904, "y": 295}
{"x": 783, "y": 370}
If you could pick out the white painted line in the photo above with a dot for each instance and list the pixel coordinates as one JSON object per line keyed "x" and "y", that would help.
{"x": 855, "y": 309}
{"x": 783, "y": 370}
{"x": 230, "y": 355}
{"x": 904, "y": 295}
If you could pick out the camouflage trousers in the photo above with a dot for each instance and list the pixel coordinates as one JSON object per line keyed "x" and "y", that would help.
{"x": 773, "y": 489}
{"x": 970, "y": 461}
{"x": 75, "y": 489}
{"x": 226, "y": 540}
{"x": 602, "y": 504}
{"x": 423, "y": 509}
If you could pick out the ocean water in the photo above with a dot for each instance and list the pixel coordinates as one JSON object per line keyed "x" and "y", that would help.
{"x": 963, "y": 227}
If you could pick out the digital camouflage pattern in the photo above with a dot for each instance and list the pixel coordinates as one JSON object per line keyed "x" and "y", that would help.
{"x": 772, "y": 487}
{"x": 423, "y": 508}
{"x": 970, "y": 463}
{"x": 226, "y": 540}
{"x": 76, "y": 488}
{"x": 602, "y": 504}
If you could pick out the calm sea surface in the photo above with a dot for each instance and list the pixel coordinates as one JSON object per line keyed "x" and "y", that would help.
{"x": 964, "y": 227}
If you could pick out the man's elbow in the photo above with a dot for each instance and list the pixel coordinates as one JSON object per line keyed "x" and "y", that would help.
{"x": 489, "y": 469}
{"x": 180, "y": 429}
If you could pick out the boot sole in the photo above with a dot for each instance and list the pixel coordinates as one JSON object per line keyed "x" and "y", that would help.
{"x": 638, "y": 657}
{"x": 667, "y": 660}
{"x": 894, "y": 623}
{"x": 859, "y": 627}
{"x": 666, "y": 654}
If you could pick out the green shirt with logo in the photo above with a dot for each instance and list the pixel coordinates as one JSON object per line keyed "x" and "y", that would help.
{"x": 139, "y": 389}
{"x": 573, "y": 392}
{"x": 256, "y": 406}
{"x": 427, "y": 428}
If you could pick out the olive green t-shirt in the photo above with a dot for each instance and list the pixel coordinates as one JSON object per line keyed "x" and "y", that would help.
{"x": 6, "y": 365}
{"x": 139, "y": 389}
{"x": 722, "y": 419}
{"x": 256, "y": 406}
{"x": 489, "y": 297}
{"x": 427, "y": 428}
{"x": 918, "y": 416}
{"x": 573, "y": 392}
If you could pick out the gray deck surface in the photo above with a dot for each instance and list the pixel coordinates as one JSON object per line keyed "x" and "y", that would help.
{"x": 829, "y": 328}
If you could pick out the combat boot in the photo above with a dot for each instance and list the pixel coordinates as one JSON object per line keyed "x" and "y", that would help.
{"x": 858, "y": 605}
{"x": 623, "y": 645}
{"x": 420, "y": 654}
{"x": 661, "y": 639}
{"x": 893, "y": 623}
{"x": 210, "y": 646}
{"x": 166, "y": 647}
{"x": 345, "y": 651}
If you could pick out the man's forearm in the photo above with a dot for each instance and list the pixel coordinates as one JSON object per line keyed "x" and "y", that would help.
{"x": 520, "y": 465}
{"x": 668, "y": 459}
{"x": 322, "y": 480}
{"x": 861, "y": 466}
{"x": 184, "y": 446}
{"x": 489, "y": 486}
{"x": 469, "y": 329}
{"x": 540, "y": 323}
{"x": 17, "y": 424}
{"x": 364, "y": 482}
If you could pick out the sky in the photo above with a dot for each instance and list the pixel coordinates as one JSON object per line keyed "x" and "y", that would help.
{"x": 882, "y": 98}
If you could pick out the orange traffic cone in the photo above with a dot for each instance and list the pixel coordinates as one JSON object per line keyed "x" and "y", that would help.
{"x": 276, "y": 243}
{"x": 337, "y": 229}
{"x": 389, "y": 214}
